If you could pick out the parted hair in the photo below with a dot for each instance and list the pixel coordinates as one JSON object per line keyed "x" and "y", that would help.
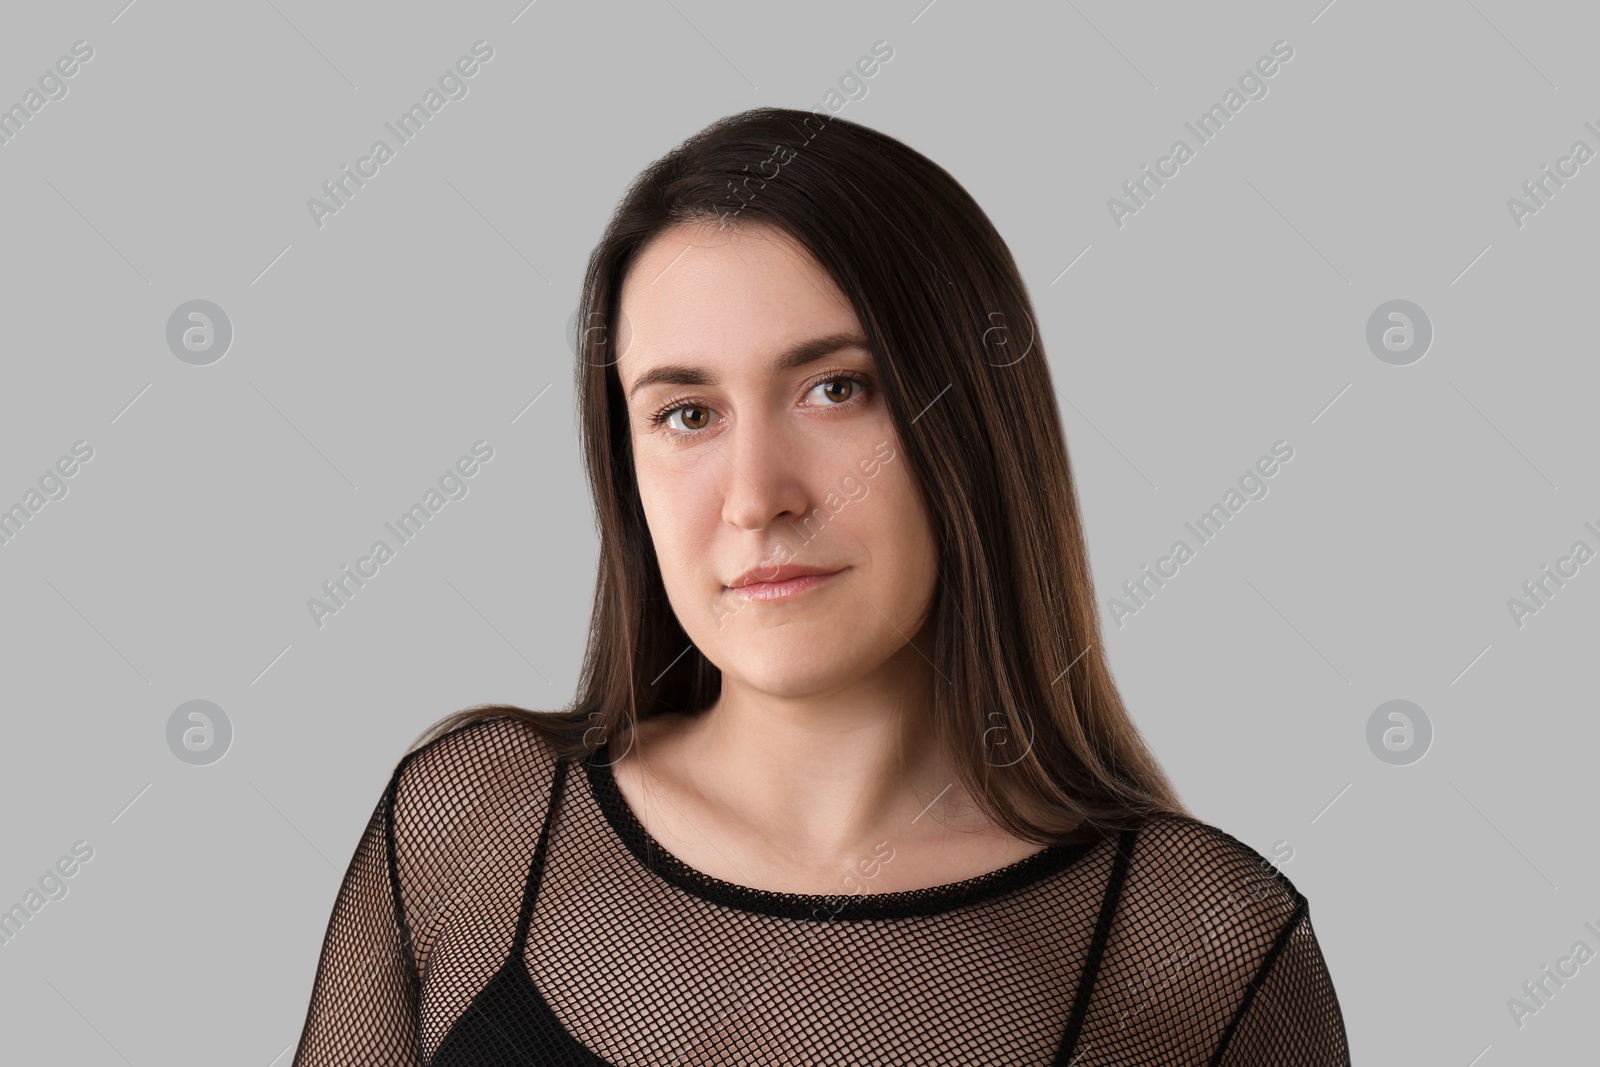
{"x": 1023, "y": 701}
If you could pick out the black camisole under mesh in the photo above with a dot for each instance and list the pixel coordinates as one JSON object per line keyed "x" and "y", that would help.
{"x": 507, "y": 908}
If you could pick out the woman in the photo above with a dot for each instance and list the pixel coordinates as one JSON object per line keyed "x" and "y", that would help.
{"x": 847, "y": 779}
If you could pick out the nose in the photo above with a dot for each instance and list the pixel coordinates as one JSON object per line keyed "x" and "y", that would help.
{"x": 763, "y": 480}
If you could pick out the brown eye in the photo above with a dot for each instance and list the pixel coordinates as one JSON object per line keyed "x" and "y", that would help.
{"x": 849, "y": 382}
{"x": 846, "y": 384}
{"x": 664, "y": 418}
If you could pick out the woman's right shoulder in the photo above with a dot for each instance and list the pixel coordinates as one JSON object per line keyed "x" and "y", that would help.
{"x": 466, "y": 777}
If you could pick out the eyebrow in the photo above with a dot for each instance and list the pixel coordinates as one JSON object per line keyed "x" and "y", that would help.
{"x": 798, "y": 355}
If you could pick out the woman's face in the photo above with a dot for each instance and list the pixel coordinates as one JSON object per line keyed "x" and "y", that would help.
{"x": 751, "y": 461}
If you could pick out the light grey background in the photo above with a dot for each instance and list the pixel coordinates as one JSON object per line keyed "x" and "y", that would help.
{"x": 429, "y": 313}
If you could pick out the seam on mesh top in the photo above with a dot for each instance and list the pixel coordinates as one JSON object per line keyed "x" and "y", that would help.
{"x": 408, "y": 957}
{"x": 391, "y": 803}
{"x": 1301, "y": 911}
{"x": 1126, "y": 841}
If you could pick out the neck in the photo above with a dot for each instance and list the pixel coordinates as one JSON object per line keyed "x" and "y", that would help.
{"x": 832, "y": 772}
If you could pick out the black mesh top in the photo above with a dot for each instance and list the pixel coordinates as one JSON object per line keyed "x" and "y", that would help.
{"x": 504, "y": 907}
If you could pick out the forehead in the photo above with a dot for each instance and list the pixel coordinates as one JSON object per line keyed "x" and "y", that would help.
{"x": 696, "y": 294}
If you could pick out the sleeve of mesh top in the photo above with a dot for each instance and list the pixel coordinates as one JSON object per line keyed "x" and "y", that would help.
{"x": 1291, "y": 1013}
{"x": 363, "y": 1007}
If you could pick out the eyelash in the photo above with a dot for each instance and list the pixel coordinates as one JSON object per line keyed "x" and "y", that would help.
{"x": 659, "y": 418}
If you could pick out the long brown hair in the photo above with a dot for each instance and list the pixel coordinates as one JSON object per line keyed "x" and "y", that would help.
{"x": 1031, "y": 715}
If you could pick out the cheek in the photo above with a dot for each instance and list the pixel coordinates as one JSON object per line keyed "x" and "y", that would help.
{"x": 652, "y": 499}
{"x": 892, "y": 525}
{"x": 678, "y": 514}
{"x": 907, "y": 534}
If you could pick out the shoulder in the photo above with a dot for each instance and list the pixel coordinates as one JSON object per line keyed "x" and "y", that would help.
{"x": 456, "y": 818}
{"x": 1201, "y": 918}
{"x": 467, "y": 782}
{"x": 477, "y": 749}
{"x": 471, "y": 767}
{"x": 1196, "y": 868}
{"x": 470, "y": 797}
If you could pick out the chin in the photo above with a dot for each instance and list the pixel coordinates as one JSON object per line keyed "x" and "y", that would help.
{"x": 788, "y": 669}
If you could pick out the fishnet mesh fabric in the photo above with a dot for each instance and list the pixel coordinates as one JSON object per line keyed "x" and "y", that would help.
{"x": 504, "y": 908}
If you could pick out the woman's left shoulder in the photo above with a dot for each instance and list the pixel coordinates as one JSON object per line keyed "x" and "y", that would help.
{"x": 1194, "y": 861}
{"x": 1223, "y": 923}
{"x": 1188, "y": 881}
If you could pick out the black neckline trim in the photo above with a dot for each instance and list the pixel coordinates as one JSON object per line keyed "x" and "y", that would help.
{"x": 818, "y": 907}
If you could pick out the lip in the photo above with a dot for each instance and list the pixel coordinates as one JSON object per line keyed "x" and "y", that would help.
{"x": 786, "y": 582}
